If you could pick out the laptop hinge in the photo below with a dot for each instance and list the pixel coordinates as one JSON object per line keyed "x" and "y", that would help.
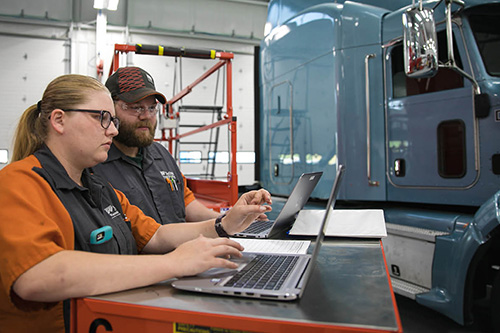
{"x": 302, "y": 277}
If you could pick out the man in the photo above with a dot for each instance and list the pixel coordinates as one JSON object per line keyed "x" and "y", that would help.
{"x": 141, "y": 168}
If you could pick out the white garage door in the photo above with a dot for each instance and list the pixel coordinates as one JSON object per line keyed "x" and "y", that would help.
{"x": 27, "y": 65}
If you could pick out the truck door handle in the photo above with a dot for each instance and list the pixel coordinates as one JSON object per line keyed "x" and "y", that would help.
{"x": 399, "y": 167}
{"x": 368, "y": 128}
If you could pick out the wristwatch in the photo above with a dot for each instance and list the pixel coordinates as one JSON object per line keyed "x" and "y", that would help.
{"x": 218, "y": 226}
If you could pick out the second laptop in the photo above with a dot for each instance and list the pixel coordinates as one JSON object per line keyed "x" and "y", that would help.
{"x": 295, "y": 202}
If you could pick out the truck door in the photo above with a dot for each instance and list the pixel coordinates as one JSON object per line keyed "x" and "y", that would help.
{"x": 431, "y": 128}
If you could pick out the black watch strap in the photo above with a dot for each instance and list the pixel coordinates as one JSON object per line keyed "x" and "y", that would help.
{"x": 218, "y": 226}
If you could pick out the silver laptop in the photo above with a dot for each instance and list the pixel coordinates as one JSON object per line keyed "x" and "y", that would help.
{"x": 295, "y": 202}
{"x": 281, "y": 276}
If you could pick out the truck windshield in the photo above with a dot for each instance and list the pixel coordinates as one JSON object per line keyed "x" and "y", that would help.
{"x": 486, "y": 28}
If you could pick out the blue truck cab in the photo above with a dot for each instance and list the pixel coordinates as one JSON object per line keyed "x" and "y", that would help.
{"x": 335, "y": 88}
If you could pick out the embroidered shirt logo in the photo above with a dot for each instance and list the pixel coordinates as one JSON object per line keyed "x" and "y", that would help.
{"x": 171, "y": 180}
{"x": 112, "y": 211}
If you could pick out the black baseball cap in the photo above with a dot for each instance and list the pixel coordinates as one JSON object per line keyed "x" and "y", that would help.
{"x": 131, "y": 84}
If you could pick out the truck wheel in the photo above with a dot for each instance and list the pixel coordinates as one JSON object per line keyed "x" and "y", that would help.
{"x": 495, "y": 304}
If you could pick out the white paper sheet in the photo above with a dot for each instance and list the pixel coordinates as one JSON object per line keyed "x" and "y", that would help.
{"x": 273, "y": 246}
{"x": 364, "y": 223}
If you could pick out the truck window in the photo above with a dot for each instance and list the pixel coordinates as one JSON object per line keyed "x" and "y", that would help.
{"x": 451, "y": 149}
{"x": 445, "y": 78}
{"x": 484, "y": 24}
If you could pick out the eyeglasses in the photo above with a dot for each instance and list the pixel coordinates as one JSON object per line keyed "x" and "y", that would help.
{"x": 139, "y": 110}
{"x": 105, "y": 117}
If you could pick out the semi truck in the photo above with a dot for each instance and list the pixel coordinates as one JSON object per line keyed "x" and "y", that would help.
{"x": 406, "y": 96}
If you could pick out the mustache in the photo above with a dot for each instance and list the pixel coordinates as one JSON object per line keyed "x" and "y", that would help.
{"x": 144, "y": 123}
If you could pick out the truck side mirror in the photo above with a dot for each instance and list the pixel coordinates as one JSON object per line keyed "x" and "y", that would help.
{"x": 420, "y": 43}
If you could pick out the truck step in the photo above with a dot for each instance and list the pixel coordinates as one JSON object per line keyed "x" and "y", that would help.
{"x": 406, "y": 289}
{"x": 414, "y": 232}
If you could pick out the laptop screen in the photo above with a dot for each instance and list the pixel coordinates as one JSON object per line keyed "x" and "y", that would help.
{"x": 321, "y": 234}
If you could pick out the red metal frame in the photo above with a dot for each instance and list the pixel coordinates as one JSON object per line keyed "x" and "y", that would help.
{"x": 87, "y": 312}
{"x": 214, "y": 194}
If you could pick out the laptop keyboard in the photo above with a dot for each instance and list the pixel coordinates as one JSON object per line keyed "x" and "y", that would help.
{"x": 264, "y": 272}
{"x": 258, "y": 227}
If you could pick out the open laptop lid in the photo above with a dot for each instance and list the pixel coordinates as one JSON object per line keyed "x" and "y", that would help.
{"x": 322, "y": 230}
{"x": 295, "y": 202}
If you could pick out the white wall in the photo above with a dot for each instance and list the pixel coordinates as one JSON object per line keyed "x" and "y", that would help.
{"x": 27, "y": 66}
{"x": 62, "y": 46}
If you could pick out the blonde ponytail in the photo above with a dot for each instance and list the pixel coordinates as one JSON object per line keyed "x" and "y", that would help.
{"x": 64, "y": 92}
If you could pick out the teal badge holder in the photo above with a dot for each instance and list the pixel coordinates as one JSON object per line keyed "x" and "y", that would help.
{"x": 101, "y": 235}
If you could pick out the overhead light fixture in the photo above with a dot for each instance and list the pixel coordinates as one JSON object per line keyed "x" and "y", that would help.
{"x": 106, "y": 4}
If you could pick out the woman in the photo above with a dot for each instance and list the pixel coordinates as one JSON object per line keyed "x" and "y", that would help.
{"x": 66, "y": 233}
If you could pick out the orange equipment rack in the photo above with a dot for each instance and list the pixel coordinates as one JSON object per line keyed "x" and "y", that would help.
{"x": 214, "y": 194}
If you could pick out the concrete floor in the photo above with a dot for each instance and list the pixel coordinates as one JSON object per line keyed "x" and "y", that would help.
{"x": 416, "y": 318}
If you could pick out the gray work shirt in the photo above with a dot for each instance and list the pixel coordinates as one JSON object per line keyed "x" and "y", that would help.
{"x": 157, "y": 187}
{"x": 91, "y": 207}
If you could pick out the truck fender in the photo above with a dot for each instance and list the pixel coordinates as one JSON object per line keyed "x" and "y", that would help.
{"x": 454, "y": 256}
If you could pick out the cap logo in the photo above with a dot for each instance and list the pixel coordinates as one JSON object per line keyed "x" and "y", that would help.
{"x": 130, "y": 78}
{"x": 150, "y": 79}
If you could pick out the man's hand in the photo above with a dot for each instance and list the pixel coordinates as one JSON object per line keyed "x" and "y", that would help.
{"x": 249, "y": 207}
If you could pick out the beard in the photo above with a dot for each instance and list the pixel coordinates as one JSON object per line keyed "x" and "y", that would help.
{"x": 128, "y": 135}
